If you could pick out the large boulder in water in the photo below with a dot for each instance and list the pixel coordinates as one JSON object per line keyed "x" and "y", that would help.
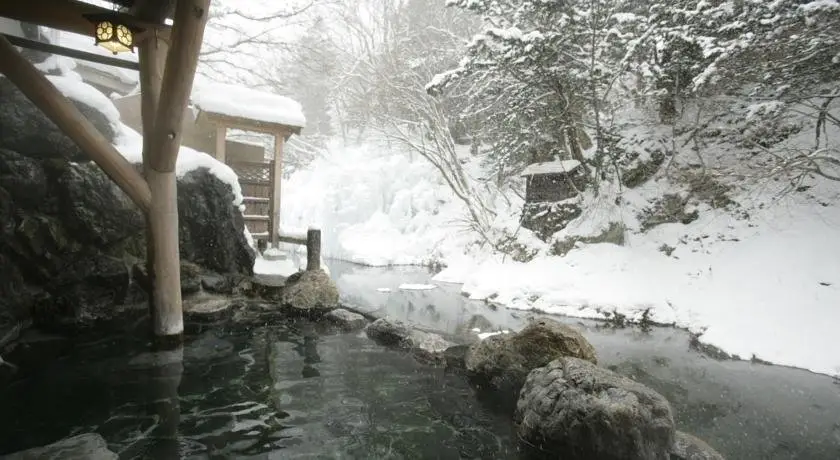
{"x": 89, "y": 446}
{"x": 69, "y": 237}
{"x": 501, "y": 363}
{"x": 310, "y": 293}
{"x": 573, "y": 409}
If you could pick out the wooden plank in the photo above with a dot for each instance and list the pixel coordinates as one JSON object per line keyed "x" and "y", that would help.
{"x": 176, "y": 85}
{"x": 265, "y": 164}
{"x": 72, "y": 53}
{"x": 256, "y": 218}
{"x": 313, "y": 249}
{"x": 254, "y": 182}
{"x": 276, "y": 180}
{"x": 255, "y": 199}
{"x": 221, "y": 136}
{"x": 70, "y": 120}
{"x": 246, "y": 124}
{"x": 68, "y": 15}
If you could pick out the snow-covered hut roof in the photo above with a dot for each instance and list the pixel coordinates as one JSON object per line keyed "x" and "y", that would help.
{"x": 551, "y": 167}
{"x": 234, "y": 102}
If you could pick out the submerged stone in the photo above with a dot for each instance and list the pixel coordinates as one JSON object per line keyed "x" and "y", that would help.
{"x": 346, "y": 320}
{"x": 89, "y": 446}
{"x": 690, "y": 447}
{"x": 576, "y": 410}
{"x": 426, "y": 346}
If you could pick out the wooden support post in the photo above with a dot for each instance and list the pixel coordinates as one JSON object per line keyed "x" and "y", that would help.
{"x": 276, "y": 180}
{"x": 70, "y": 120}
{"x": 181, "y": 62}
{"x": 221, "y": 141}
{"x": 313, "y": 249}
{"x": 152, "y": 55}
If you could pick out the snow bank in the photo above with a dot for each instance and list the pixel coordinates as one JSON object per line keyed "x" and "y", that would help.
{"x": 767, "y": 288}
{"x": 416, "y": 287}
{"x": 376, "y": 205}
{"x": 239, "y": 101}
{"x": 73, "y": 88}
{"x": 130, "y": 144}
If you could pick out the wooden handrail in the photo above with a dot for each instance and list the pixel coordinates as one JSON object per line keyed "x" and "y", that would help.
{"x": 312, "y": 241}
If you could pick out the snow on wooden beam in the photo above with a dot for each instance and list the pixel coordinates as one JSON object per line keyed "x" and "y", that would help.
{"x": 551, "y": 167}
{"x": 35, "y": 86}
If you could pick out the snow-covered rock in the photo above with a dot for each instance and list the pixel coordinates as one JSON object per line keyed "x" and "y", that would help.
{"x": 578, "y": 410}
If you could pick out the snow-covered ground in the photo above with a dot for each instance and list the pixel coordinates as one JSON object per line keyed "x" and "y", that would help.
{"x": 764, "y": 286}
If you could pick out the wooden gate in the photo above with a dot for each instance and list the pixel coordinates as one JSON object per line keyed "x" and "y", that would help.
{"x": 256, "y": 179}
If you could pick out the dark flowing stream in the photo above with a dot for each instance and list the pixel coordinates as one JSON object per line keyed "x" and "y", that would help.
{"x": 295, "y": 390}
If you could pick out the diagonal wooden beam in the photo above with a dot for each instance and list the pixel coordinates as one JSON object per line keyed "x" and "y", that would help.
{"x": 70, "y": 120}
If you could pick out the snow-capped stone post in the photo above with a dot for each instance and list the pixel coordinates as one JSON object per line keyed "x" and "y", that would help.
{"x": 178, "y": 74}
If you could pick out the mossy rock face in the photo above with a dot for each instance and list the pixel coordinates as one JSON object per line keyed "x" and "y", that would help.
{"x": 502, "y": 362}
{"x": 70, "y": 239}
{"x": 546, "y": 219}
{"x": 643, "y": 171}
{"x": 614, "y": 234}
{"x": 669, "y": 209}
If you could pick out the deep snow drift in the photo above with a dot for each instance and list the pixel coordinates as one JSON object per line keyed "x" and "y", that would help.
{"x": 761, "y": 282}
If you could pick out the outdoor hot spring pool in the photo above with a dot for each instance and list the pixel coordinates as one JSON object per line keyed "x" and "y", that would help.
{"x": 298, "y": 390}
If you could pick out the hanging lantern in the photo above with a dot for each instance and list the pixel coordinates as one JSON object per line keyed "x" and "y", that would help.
{"x": 112, "y": 34}
{"x": 114, "y": 37}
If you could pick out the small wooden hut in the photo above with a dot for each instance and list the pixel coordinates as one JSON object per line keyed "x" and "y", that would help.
{"x": 227, "y": 107}
{"x": 553, "y": 181}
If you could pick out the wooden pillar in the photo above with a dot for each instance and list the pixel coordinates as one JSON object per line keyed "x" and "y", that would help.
{"x": 313, "y": 249}
{"x": 221, "y": 141}
{"x": 152, "y": 54}
{"x": 181, "y": 61}
{"x": 38, "y": 89}
{"x": 277, "y": 179}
